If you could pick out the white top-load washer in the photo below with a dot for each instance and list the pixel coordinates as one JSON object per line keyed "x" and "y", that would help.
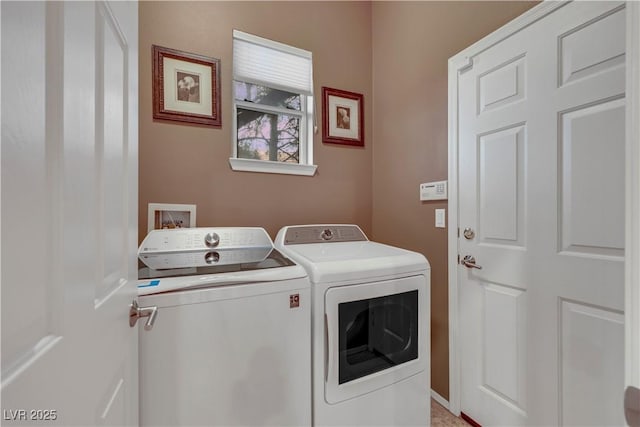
{"x": 230, "y": 344}
{"x": 370, "y": 326}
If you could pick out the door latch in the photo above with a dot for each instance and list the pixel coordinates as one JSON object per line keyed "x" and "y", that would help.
{"x": 470, "y": 262}
{"x": 136, "y": 312}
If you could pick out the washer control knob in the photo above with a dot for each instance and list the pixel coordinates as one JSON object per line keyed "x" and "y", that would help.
{"x": 327, "y": 234}
{"x": 211, "y": 257}
{"x": 212, "y": 240}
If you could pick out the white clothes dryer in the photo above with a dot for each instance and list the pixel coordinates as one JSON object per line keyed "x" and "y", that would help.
{"x": 231, "y": 342}
{"x": 370, "y": 326}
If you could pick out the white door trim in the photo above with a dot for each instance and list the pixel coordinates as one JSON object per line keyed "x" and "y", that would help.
{"x": 632, "y": 214}
{"x": 463, "y": 61}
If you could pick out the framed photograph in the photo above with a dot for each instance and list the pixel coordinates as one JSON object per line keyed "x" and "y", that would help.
{"x": 162, "y": 215}
{"x": 186, "y": 87}
{"x": 343, "y": 117}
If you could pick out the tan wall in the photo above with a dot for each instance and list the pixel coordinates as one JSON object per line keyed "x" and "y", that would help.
{"x": 190, "y": 164}
{"x": 395, "y": 51}
{"x": 412, "y": 42}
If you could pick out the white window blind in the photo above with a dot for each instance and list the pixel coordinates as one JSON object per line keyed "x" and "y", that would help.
{"x": 265, "y": 62}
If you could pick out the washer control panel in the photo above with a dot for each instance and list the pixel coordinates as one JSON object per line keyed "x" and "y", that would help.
{"x": 204, "y": 238}
{"x": 301, "y": 234}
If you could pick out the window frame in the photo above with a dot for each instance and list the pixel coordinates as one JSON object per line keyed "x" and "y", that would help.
{"x": 306, "y": 116}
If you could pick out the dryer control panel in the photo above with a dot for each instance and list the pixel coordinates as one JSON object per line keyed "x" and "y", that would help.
{"x": 327, "y": 233}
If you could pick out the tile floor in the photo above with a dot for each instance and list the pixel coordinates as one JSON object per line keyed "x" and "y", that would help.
{"x": 440, "y": 417}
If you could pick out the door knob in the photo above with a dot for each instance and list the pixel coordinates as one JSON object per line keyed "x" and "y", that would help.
{"x": 470, "y": 262}
{"x": 136, "y": 312}
{"x": 468, "y": 233}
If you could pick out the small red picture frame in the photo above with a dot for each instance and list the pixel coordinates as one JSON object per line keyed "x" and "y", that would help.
{"x": 342, "y": 117}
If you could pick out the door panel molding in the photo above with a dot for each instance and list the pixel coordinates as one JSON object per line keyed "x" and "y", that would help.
{"x": 584, "y": 196}
{"x": 34, "y": 143}
{"x": 501, "y": 198}
{"x": 578, "y": 320}
{"x": 504, "y": 320}
{"x": 579, "y": 59}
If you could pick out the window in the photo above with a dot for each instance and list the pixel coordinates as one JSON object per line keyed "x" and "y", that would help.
{"x": 272, "y": 107}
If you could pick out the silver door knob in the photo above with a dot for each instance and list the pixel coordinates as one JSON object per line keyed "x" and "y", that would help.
{"x": 470, "y": 262}
{"x": 468, "y": 233}
{"x": 136, "y": 312}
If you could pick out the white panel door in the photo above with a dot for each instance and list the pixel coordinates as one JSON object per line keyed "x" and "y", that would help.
{"x": 69, "y": 212}
{"x": 541, "y": 183}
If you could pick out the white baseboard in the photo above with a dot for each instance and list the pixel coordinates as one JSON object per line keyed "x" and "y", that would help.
{"x": 441, "y": 400}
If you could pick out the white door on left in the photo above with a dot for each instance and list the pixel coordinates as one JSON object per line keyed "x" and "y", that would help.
{"x": 69, "y": 212}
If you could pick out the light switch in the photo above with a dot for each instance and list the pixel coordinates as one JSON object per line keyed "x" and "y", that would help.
{"x": 440, "y": 213}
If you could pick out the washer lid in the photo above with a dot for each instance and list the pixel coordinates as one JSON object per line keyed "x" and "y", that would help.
{"x": 344, "y": 261}
{"x": 170, "y": 260}
{"x": 187, "y": 270}
{"x": 176, "y": 264}
{"x": 206, "y": 251}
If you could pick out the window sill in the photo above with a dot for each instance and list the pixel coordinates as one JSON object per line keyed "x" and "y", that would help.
{"x": 263, "y": 166}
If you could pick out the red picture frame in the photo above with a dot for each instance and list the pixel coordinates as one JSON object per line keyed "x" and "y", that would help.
{"x": 342, "y": 117}
{"x": 186, "y": 87}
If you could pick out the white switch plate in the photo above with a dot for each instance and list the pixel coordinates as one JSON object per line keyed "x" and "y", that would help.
{"x": 440, "y": 221}
{"x": 436, "y": 190}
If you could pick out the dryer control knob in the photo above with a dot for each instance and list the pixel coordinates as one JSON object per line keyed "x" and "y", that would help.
{"x": 212, "y": 240}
